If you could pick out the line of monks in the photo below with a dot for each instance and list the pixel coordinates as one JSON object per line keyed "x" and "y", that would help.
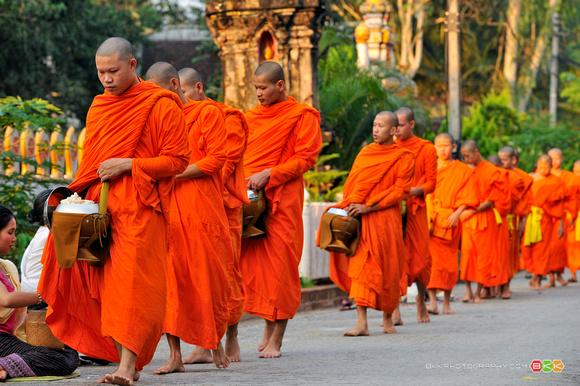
{"x": 418, "y": 207}
{"x": 180, "y": 166}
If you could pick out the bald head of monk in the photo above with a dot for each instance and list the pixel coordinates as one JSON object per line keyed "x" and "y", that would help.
{"x": 544, "y": 165}
{"x": 576, "y": 168}
{"x": 444, "y": 145}
{"x": 165, "y": 76}
{"x": 270, "y": 84}
{"x": 507, "y": 154}
{"x": 384, "y": 127}
{"x": 470, "y": 153}
{"x": 557, "y": 159}
{"x": 191, "y": 84}
{"x": 406, "y": 123}
{"x": 116, "y": 65}
{"x": 494, "y": 160}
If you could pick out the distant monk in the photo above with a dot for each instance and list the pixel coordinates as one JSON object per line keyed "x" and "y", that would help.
{"x": 199, "y": 243}
{"x": 546, "y": 219}
{"x": 480, "y": 245}
{"x": 379, "y": 180}
{"x": 283, "y": 144}
{"x": 417, "y": 256}
{"x": 136, "y": 139}
{"x": 446, "y": 204}
{"x": 559, "y": 256}
{"x": 235, "y": 195}
{"x": 521, "y": 204}
{"x": 574, "y": 238}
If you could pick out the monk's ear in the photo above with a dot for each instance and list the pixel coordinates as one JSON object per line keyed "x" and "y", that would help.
{"x": 280, "y": 85}
{"x": 174, "y": 84}
{"x": 133, "y": 63}
{"x": 199, "y": 87}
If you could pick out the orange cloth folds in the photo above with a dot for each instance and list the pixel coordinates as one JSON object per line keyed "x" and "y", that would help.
{"x": 559, "y": 248}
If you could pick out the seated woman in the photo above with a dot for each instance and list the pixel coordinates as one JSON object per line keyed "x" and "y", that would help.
{"x": 30, "y": 267}
{"x": 19, "y": 359}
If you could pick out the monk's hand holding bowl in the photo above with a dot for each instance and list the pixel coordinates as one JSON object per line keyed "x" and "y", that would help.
{"x": 259, "y": 180}
{"x": 355, "y": 209}
{"x": 114, "y": 167}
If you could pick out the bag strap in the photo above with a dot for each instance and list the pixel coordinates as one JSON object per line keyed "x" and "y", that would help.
{"x": 104, "y": 198}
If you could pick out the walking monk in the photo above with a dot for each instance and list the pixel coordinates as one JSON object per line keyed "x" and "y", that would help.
{"x": 199, "y": 243}
{"x": 545, "y": 220}
{"x": 447, "y": 202}
{"x": 481, "y": 226}
{"x": 136, "y": 139}
{"x": 283, "y": 144}
{"x": 379, "y": 180}
{"x": 521, "y": 204}
{"x": 559, "y": 256}
{"x": 573, "y": 243}
{"x": 417, "y": 256}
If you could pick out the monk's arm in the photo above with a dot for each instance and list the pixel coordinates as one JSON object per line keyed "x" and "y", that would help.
{"x": 484, "y": 206}
{"x": 308, "y": 143}
{"x": 404, "y": 178}
{"x": 453, "y": 220}
{"x": 430, "y": 159}
{"x": 236, "y": 143}
{"x": 167, "y": 121}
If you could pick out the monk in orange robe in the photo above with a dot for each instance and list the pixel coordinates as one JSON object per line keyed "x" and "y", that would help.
{"x": 501, "y": 269}
{"x": 573, "y": 243}
{"x": 559, "y": 256}
{"x": 379, "y": 180}
{"x": 521, "y": 204}
{"x": 284, "y": 141}
{"x": 481, "y": 229}
{"x": 135, "y": 139}
{"x": 546, "y": 218}
{"x": 199, "y": 243}
{"x": 417, "y": 256}
{"x": 446, "y": 204}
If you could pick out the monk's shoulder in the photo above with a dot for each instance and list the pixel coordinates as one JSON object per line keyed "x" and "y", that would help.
{"x": 461, "y": 168}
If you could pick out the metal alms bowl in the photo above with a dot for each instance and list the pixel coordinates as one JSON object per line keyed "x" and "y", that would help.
{"x": 54, "y": 199}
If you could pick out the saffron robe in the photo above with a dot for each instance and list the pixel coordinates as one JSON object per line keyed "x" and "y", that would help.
{"x": 481, "y": 232}
{"x": 548, "y": 195}
{"x": 286, "y": 138}
{"x": 520, "y": 209}
{"x": 235, "y": 195}
{"x": 454, "y": 181}
{"x": 559, "y": 255}
{"x": 199, "y": 244}
{"x": 125, "y": 299}
{"x": 573, "y": 235}
{"x": 417, "y": 256}
{"x": 380, "y": 175}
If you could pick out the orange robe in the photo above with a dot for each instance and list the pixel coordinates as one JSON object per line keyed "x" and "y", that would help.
{"x": 573, "y": 236}
{"x": 125, "y": 299}
{"x": 384, "y": 175}
{"x": 286, "y": 138}
{"x": 235, "y": 195}
{"x": 520, "y": 209}
{"x": 480, "y": 246}
{"x": 453, "y": 184}
{"x": 417, "y": 256}
{"x": 199, "y": 244}
{"x": 559, "y": 256}
{"x": 548, "y": 195}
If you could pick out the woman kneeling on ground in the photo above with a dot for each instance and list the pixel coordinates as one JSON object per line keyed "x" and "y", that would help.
{"x": 17, "y": 358}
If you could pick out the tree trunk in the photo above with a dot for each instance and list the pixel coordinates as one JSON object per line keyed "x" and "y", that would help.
{"x": 411, "y": 44}
{"x": 510, "y": 63}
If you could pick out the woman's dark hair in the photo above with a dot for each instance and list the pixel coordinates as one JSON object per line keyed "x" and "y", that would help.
{"x": 36, "y": 215}
{"x": 5, "y": 216}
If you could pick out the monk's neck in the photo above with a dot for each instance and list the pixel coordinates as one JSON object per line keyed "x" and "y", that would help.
{"x": 412, "y": 137}
{"x": 444, "y": 163}
{"x": 557, "y": 172}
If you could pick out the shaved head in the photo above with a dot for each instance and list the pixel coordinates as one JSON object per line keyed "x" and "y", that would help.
{"x": 494, "y": 160}
{"x": 507, "y": 154}
{"x": 116, "y": 45}
{"x": 545, "y": 159}
{"x": 272, "y": 71}
{"x": 556, "y": 151}
{"x": 161, "y": 74}
{"x": 577, "y": 163}
{"x": 389, "y": 118}
{"x": 406, "y": 112}
{"x": 508, "y": 150}
{"x": 191, "y": 84}
{"x": 544, "y": 165}
{"x": 445, "y": 136}
{"x": 470, "y": 145}
{"x": 189, "y": 76}
{"x": 557, "y": 159}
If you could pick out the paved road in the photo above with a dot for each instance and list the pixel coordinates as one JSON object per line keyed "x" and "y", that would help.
{"x": 490, "y": 343}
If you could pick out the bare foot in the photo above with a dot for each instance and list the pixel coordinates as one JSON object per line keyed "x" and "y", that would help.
{"x": 173, "y": 365}
{"x": 3, "y": 374}
{"x": 562, "y": 282}
{"x": 506, "y": 295}
{"x": 199, "y": 355}
{"x": 477, "y": 299}
{"x": 136, "y": 376}
{"x": 422, "y": 314}
{"x": 397, "y": 320}
{"x": 233, "y": 348}
{"x": 219, "y": 357}
{"x": 467, "y": 298}
{"x": 359, "y": 330}
{"x": 447, "y": 310}
{"x": 573, "y": 280}
{"x": 550, "y": 284}
{"x": 433, "y": 309}
{"x": 388, "y": 326}
{"x": 272, "y": 350}
{"x": 120, "y": 378}
{"x": 486, "y": 293}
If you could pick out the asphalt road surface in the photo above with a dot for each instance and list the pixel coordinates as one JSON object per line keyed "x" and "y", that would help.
{"x": 491, "y": 343}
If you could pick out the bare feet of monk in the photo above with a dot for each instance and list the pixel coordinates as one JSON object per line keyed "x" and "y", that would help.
{"x": 561, "y": 280}
{"x": 447, "y": 309}
{"x": 3, "y": 374}
{"x": 433, "y": 309}
{"x": 272, "y": 350}
{"x": 397, "y": 320}
{"x": 268, "y": 331}
{"x": 219, "y": 357}
{"x": 199, "y": 355}
{"x": 422, "y": 314}
{"x": 486, "y": 293}
{"x": 477, "y": 299}
{"x": 232, "y": 345}
{"x": 173, "y": 365}
{"x": 358, "y": 330}
{"x": 118, "y": 378}
{"x": 388, "y": 325}
{"x": 549, "y": 284}
{"x": 573, "y": 279}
